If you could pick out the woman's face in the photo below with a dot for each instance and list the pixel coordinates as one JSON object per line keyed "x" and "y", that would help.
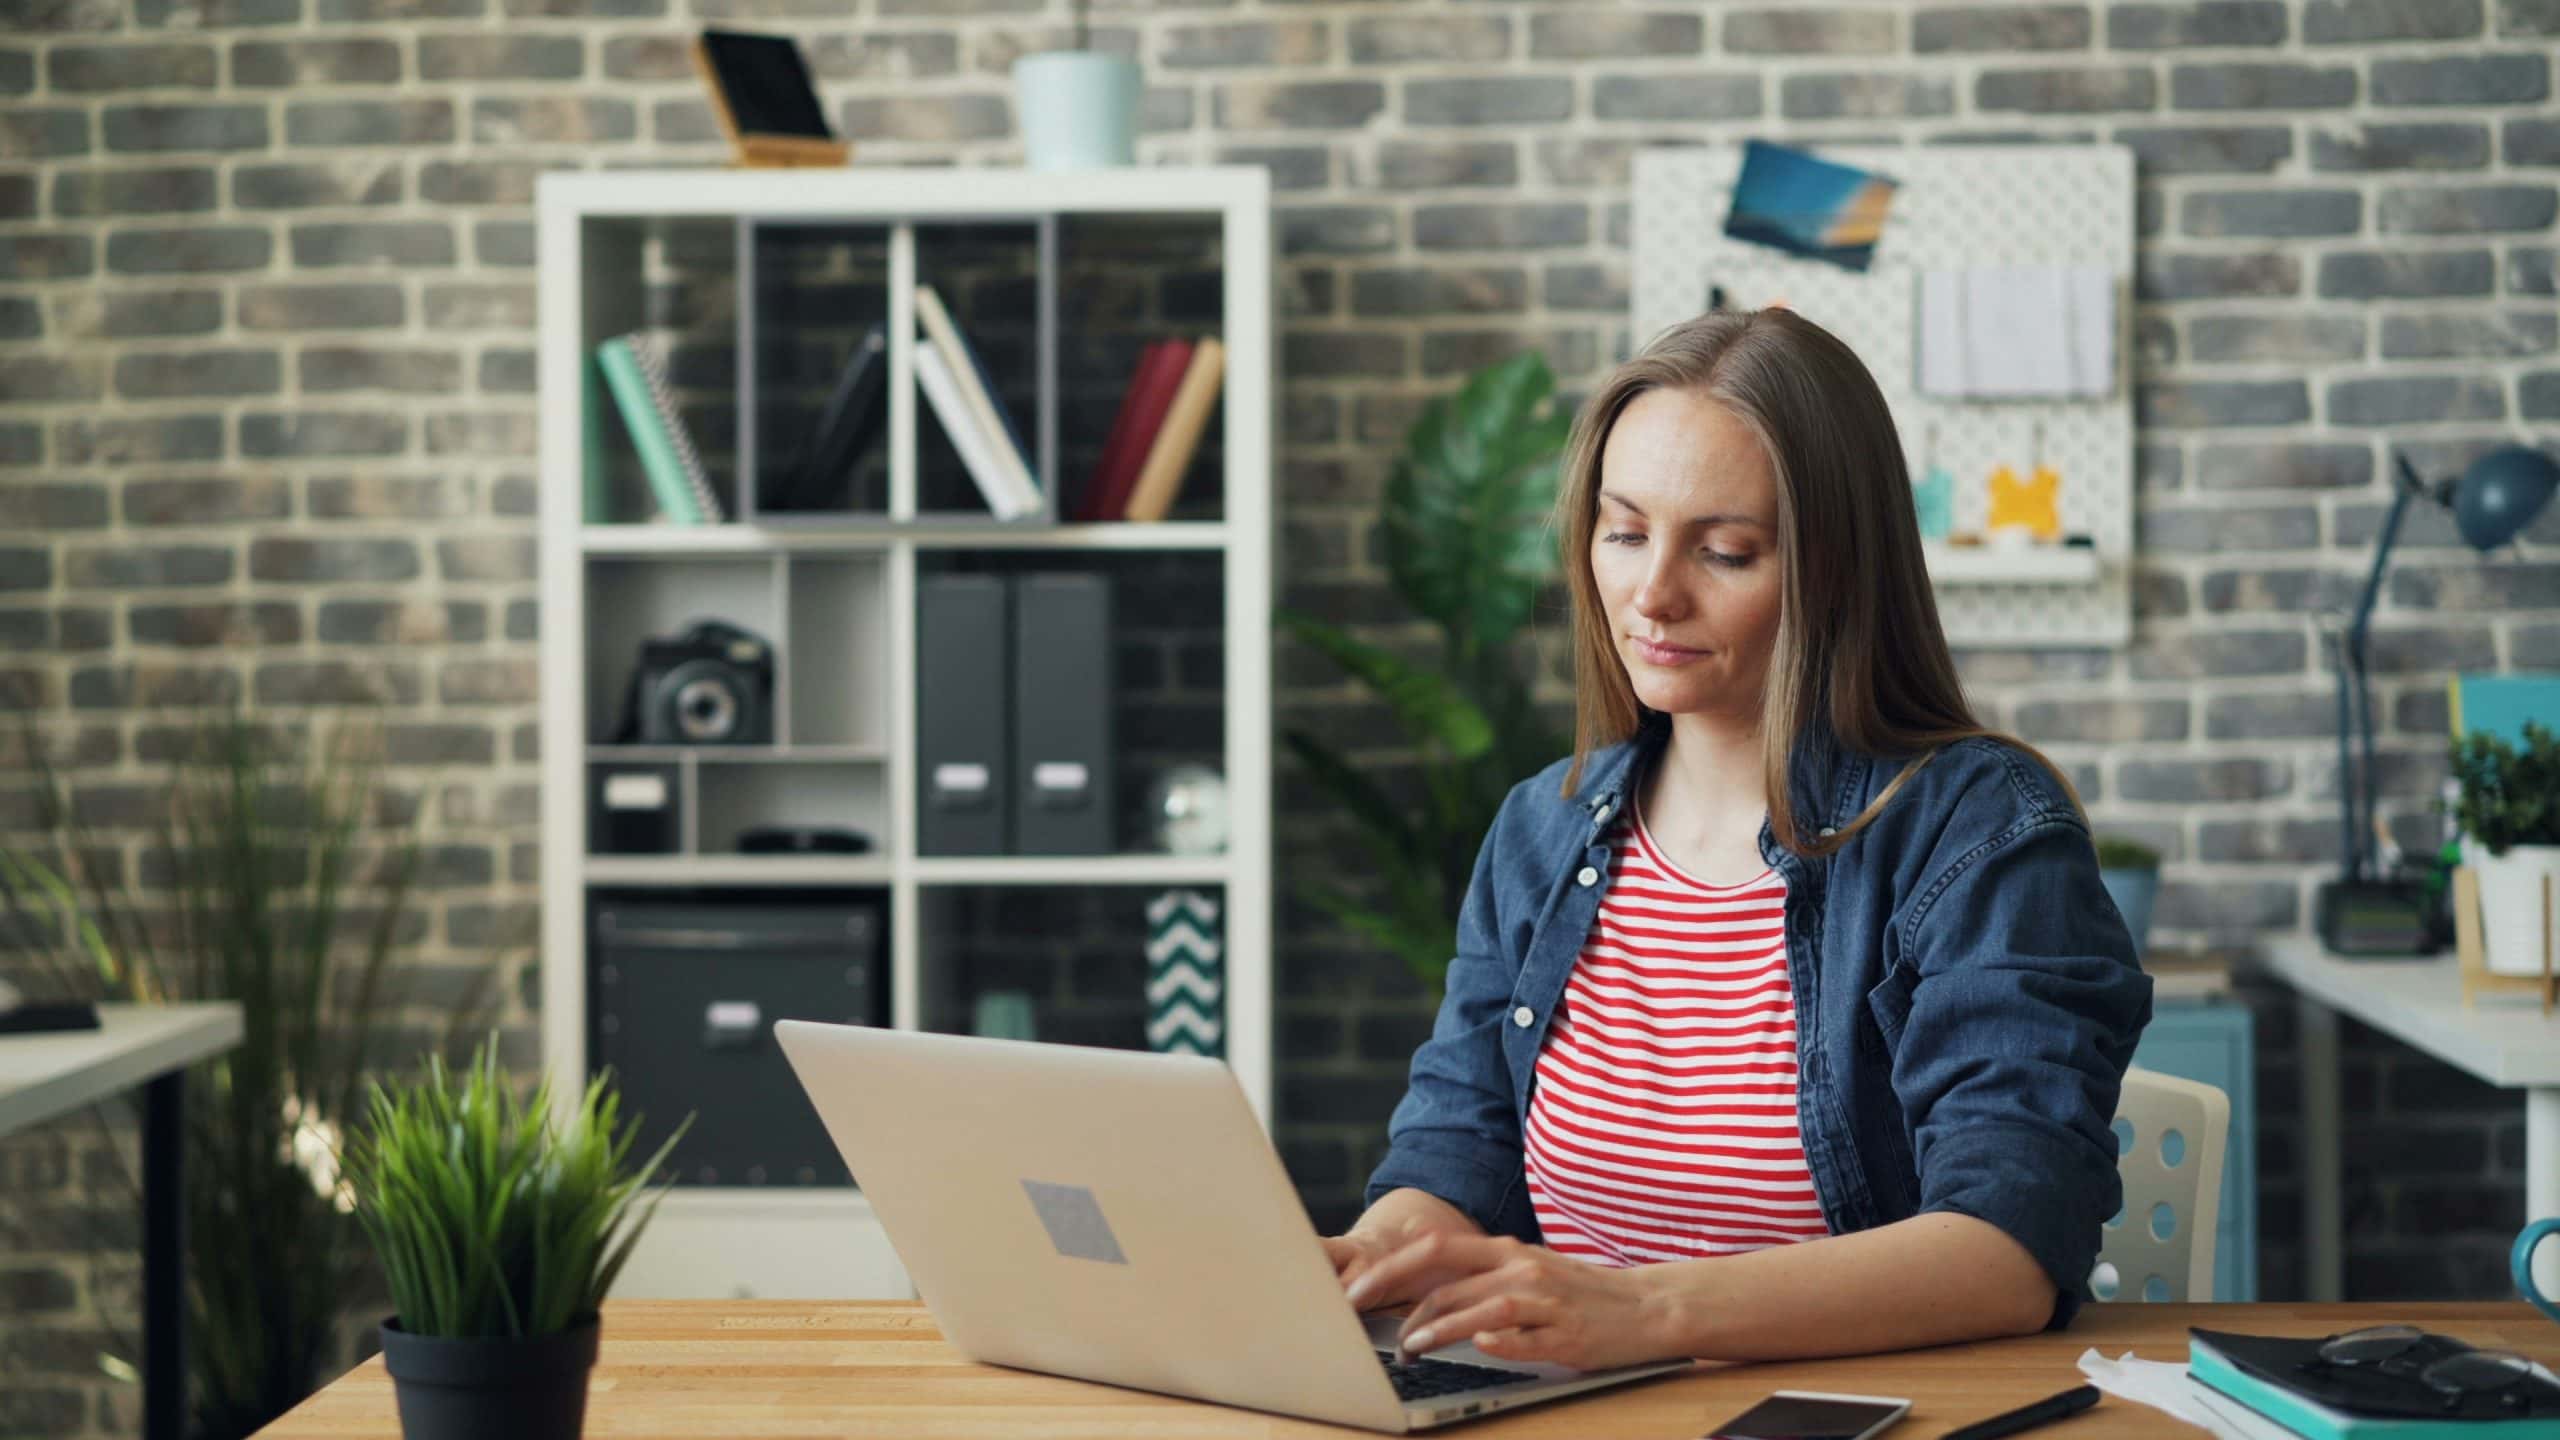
{"x": 1685, "y": 554}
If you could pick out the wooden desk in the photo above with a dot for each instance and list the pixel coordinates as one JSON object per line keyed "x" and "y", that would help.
{"x": 44, "y": 1075}
{"x": 783, "y": 1369}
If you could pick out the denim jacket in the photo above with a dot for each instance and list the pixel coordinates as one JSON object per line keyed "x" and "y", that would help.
{"x": 1967, "y": 998}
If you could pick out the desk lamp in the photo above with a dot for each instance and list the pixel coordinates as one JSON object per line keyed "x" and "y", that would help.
{"x": 2365, "y": 912}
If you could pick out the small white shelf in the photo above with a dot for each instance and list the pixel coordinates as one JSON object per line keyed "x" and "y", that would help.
{"x": 1149, "y": 869}
{"x": 680, "y": 540}
{"x": 738, "y": 870}
{"x": 1983, "y": 565}
{"x": 737, "y": 754}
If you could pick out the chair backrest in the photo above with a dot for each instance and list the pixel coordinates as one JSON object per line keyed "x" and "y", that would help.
{"x": 2170, "y": 1135}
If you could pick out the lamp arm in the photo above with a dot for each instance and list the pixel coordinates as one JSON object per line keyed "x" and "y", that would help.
{"x": 2356, "y": 784}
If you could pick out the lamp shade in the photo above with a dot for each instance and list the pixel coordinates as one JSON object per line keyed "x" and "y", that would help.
{"x": 2501, "y": 494}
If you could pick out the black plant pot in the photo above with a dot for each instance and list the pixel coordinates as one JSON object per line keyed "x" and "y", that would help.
{"x": 497, "y": 1389}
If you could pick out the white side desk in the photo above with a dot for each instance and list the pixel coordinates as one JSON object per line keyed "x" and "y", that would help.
{"x": 45, "y": 1075}
{"x": 2504, "y": 1039}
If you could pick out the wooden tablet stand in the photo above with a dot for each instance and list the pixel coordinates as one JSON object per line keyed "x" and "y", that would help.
{"x": 765, "y": 151}
{"x": 789, "y": 151}
{"x": 2471, "y": 944}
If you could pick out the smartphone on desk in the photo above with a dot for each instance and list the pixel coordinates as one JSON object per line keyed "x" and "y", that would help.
{"x": 1812, "y": 1415}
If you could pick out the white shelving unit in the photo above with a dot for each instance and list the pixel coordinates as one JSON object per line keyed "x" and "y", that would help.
{"x": 837, "y": 597}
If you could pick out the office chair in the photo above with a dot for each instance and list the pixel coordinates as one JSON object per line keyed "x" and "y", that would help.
{"x": 2170, "y": 1135}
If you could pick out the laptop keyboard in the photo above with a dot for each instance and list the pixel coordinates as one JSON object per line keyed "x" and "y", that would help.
{"x": 1428, "y": 1379}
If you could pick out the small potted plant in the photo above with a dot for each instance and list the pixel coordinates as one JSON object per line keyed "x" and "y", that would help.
{"x": 2507, "y": 802}
{"x": 1078, "y": 107}
{"x": 2131, "y": 872}
{"x": 499, "y": 1230}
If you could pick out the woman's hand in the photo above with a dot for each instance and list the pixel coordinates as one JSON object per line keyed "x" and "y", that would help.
{"x": 1519, "y": 1302}
{"x": 1355, "y": 1254}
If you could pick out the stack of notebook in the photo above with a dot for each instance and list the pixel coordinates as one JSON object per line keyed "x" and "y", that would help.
{"x": 2262, "y": 1383}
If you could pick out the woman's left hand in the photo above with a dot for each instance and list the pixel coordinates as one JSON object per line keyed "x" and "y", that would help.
{"x": 1523, "y": 1302}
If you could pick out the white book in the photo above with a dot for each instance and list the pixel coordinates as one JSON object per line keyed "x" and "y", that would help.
{"x": 964, "y": 372}
{"x": 962, "y": 427}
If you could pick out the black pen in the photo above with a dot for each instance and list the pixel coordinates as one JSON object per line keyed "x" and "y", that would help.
{"x": 2028, "y": 1417}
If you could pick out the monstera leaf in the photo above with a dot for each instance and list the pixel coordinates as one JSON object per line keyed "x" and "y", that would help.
{"x": 1467, "y": 548}
{"x": 1467, "y": 505}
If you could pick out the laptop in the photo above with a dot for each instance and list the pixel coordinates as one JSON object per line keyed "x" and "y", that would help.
{"x": 1119, "y": 1216}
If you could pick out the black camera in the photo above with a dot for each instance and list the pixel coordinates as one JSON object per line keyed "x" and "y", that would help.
{"x": 711, "y": 685}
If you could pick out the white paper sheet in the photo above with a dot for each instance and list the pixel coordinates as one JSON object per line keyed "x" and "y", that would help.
{"x": 2163, "y": 1385}
{"x": 2019, "y": 331}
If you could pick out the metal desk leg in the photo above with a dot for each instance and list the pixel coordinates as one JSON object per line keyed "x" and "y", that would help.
{"x": 2542, "y": 1178}
{"x": 164, "y": 1259}
{"x": 2323, "y": 1200}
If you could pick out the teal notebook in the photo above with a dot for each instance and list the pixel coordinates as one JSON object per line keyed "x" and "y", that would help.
{"x": 2305, "y": 1415}
{"x": 667, "y": 457}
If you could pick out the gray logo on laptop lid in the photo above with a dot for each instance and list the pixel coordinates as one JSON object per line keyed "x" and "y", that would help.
{"x": 1074, "y": 1222}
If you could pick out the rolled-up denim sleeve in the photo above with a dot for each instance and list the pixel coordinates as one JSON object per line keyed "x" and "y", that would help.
{"x": 2027, "y": 1002}
{"x": 1456, "y": 1132}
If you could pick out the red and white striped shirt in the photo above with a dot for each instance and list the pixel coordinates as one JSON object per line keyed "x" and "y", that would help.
{"x": 1662, "y": 1125}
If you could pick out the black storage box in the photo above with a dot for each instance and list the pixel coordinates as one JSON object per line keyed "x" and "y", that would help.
{"x": 685, "y": 994}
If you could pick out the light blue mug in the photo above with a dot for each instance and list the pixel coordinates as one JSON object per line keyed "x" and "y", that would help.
{"x": 2522, "y": 1262}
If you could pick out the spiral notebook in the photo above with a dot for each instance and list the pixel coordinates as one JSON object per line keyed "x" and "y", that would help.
{"x": 638, "y": 380}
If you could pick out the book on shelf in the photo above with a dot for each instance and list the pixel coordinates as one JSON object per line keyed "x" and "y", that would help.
{"x": 638, "y": 381}
{"x": 1152, "y": 383}
{"x": 1178, "y": 439}
{"x": 942, "y": 392}
{"x": 967, "y": 373}
{"x": 852, "y": 417}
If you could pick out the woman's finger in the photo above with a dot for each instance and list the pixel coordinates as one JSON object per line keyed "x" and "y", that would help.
{"x": 1413, "y": 1270}
{"x": 1526, "y": 1344}
{"x": 1453, "y": 1295}
{"x": 1509, "y": 1310}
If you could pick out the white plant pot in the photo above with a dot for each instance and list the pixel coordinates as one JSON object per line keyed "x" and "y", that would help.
{"x": 2511, "y": 903}
{"x": 1078, "y": 109}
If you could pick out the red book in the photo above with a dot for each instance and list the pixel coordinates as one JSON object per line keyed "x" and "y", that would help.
{"x": 1089, "y": 503}
{"x": 1133, "y": 432}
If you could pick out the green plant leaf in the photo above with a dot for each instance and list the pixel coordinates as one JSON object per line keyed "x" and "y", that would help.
{"x": 1368, "y": 804}
{"x": 1428, "y": 706}
{"x": 1467, "y": 503}
{"x": 1420, "y": 941}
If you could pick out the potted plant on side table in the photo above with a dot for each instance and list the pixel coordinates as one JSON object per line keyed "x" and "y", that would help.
{"x": 2131, "y": 873}
{"x": 499, "y": 1230}
{"x": 2507, "y": 802}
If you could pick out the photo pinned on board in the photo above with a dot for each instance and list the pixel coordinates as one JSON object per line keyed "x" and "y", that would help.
{"x": 1805, "y": 205}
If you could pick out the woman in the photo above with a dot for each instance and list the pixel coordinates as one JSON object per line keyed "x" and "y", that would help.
{"x": 1789, "y": 1012}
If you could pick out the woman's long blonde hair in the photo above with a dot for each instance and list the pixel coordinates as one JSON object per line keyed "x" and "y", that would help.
{"x": 1859, "y": 645}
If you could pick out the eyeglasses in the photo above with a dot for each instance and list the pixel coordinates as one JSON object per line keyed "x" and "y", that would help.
{"x": 2464, "y": 1372}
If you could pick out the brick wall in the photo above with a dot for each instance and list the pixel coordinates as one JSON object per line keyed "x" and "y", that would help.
{"x": 266, "y": 315}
